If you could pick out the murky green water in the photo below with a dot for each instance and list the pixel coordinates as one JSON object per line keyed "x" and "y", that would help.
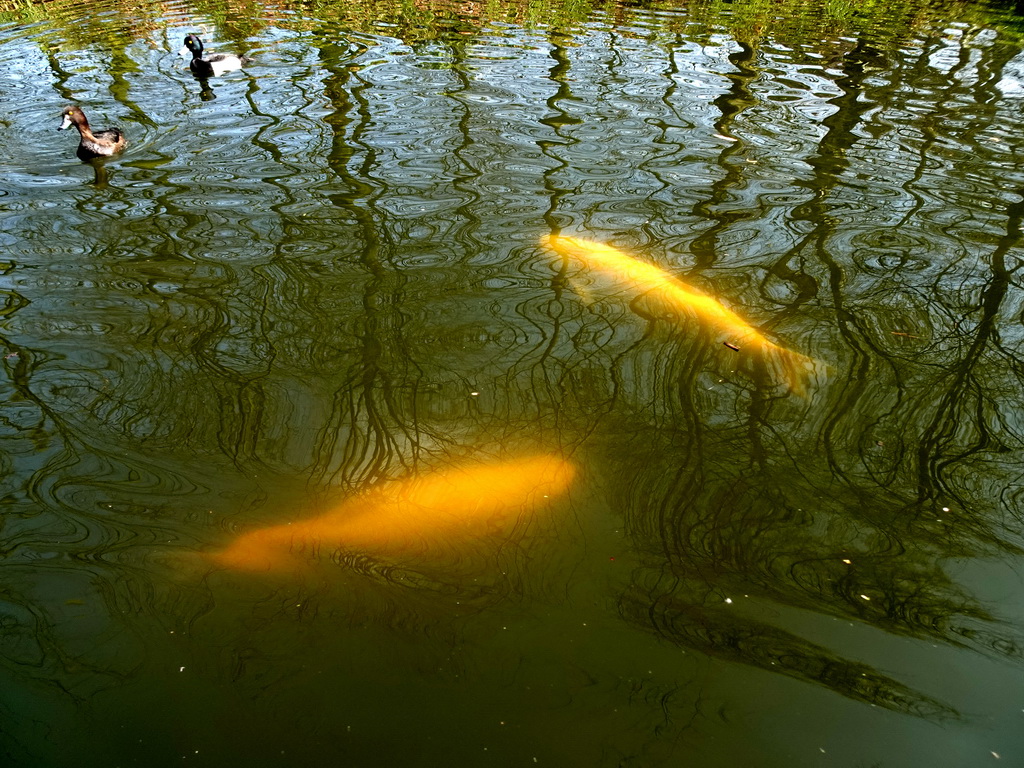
{"x": 319, "y": 279}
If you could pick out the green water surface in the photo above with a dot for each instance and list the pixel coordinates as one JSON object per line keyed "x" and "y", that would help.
{"x": 321, "y": 275}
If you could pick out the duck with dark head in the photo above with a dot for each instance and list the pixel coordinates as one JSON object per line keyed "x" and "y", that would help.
{"x": 213, "y": 65}
{"x": 103, "y": 143}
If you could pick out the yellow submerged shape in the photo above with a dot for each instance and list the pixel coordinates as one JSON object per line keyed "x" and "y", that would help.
{"x": 641, "y": 278}
{"x": 410, "y": 516}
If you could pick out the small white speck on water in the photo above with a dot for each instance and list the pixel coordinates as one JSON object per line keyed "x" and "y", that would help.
{"x": 181, "y": 669}
{"x": 946, "y": 509}
{"x": 865, "y": 597}
{"x": 728, "y": 600}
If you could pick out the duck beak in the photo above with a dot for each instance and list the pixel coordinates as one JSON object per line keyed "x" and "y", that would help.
{"x": 66, "y": 123}
{"x": 184, "y": 51}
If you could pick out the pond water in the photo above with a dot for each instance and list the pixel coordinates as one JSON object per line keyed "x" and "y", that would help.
{"x": 315, "y": 449}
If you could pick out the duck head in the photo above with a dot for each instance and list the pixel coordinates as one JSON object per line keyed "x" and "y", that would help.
{"x": 192, "y": 45}
{"x": 72, "y": 115}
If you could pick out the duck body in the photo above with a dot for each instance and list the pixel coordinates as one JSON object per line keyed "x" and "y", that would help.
{"x": 213, "y": 65}
{"x": 103, "y": 143}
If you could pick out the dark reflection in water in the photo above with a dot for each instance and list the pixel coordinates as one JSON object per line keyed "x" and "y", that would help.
{"x": 328, "y": 282}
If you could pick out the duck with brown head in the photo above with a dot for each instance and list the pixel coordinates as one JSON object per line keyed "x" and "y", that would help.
{"x": 103, "y": 143}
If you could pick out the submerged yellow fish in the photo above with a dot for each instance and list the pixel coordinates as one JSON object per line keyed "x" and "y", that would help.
{"x": 405, "y": 516}
{"x": 641, "y": 278}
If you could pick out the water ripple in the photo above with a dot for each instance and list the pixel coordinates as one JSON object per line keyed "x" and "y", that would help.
{"x": 323, "y": 272}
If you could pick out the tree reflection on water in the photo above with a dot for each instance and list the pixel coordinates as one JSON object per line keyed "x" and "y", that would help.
{"x": 328, "y": 280}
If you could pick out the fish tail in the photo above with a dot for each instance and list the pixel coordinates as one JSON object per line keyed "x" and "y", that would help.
{"x": 574, "y": 246}
{"x": 582, "y": 290}
{"x": 255, "y": 551}
{"x": 791, "y": 368}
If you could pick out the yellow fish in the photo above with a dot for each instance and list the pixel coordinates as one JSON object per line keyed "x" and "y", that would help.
{"x": 404, "y": 517}
{"x": 647, "y": 279}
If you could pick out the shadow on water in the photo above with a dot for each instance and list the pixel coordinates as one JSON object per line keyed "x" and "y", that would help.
{"x": 206, "y": 92}
{"x": 101, "y": 176}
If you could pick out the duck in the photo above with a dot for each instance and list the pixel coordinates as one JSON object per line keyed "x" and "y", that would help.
{"x": 214, "y": 64}
{"x": 102, "y": 143}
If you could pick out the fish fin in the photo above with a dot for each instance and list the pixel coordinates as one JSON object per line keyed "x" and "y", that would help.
{"x": 593, "y": 292}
